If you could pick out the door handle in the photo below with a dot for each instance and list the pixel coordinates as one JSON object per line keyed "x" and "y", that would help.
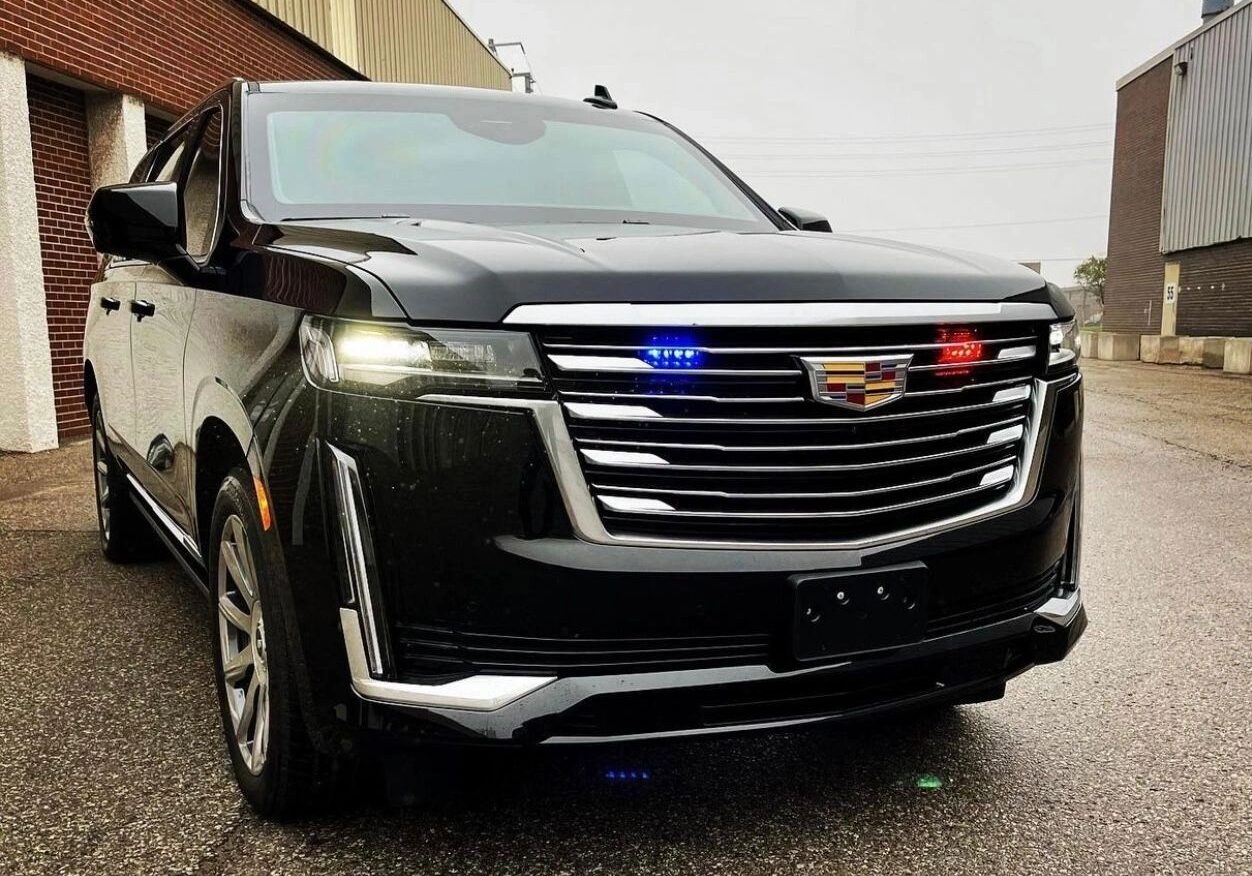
{"x": 109, "y": 304}
{"x": 142, "y": 308}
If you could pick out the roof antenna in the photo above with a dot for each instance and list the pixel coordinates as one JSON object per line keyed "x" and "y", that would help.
{"x": 602, "y": 99}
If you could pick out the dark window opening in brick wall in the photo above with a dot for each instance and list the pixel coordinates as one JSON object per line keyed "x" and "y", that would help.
{"x": 155, "y": 129}
{"x": 58, "y": 133}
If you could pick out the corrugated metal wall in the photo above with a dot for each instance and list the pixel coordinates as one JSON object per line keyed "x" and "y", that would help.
{"x": 310, "y": 17}
{"x": 1207, "y": 195}
{"x": 396, "y": 40}
{"x": 423, "y": 41}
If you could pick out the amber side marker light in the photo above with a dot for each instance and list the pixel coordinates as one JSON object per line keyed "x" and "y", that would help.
{"x": 262, "y": 503}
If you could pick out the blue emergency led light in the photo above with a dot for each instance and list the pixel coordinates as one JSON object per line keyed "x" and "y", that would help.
{"x": 673, "y": 353}
{"x": 628, "y": 775}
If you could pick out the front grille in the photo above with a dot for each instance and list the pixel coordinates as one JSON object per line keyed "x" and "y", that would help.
{"x": 734, "y": 447}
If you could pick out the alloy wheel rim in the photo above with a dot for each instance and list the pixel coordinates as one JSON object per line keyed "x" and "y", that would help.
{"x": 241, "y": 635}
{"x": 100, "y": 460}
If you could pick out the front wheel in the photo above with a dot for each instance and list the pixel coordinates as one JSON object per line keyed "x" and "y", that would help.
{"x": 275, "y": 763}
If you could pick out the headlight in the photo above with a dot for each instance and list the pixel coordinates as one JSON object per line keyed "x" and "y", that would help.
{"x": 402, "y": 362}
{"x": 1062, "y": 343}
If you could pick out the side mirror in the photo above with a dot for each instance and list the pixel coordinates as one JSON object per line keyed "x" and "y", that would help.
{"x": 137, "y": 221}
{"x": 805, "y": 220}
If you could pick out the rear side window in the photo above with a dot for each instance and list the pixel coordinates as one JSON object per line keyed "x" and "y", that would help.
{"x": 200, "y": 194}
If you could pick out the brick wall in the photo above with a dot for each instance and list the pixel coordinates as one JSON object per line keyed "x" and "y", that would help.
{"x": 1136, "y": 269}
{"x": 1215, "y": 290}
{"x": 167, "y": 52}
{"x": 58, "y": 133}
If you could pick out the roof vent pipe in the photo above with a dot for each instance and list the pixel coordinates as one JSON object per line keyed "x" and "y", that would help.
{"x": 1213, "y": 8}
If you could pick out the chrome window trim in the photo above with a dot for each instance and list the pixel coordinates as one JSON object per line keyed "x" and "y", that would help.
{"x": 585, "y": 518}
{"x": 778, "y": 314}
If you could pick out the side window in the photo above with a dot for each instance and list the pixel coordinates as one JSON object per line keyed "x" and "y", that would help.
{"x": 200, "y": 195}
{"x": 165, "y": 162}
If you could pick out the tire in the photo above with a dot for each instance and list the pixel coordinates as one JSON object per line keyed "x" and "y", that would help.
{"x": 125, "y": 535}
{"x": 277, "y": 767}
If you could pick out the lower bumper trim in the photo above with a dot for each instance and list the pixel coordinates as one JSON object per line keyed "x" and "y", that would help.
{"x": 475, "y": 693}
{"x": 498, "y": 707}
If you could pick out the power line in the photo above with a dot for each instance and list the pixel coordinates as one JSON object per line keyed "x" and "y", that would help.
{"x": 977, "y": 225}
{"x": 1006, "y": 150}
{"x": 867, "y": 173}
{"x": 909, "y": 138}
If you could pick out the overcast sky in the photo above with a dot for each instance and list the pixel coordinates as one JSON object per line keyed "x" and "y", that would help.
{"x": 874, "y": 111}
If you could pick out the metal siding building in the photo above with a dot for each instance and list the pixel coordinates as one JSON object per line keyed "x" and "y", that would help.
{"x": 396, "y": 40}
{"x": 1207, "y": 195}
{"x": 1180, "y": 229}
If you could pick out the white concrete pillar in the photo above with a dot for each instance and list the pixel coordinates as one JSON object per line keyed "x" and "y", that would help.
{"x": 28, "y": 418}
{"x": 116, "y": 136}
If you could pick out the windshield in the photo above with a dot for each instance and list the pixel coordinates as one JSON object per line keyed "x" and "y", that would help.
{"x": 480, "y": 159}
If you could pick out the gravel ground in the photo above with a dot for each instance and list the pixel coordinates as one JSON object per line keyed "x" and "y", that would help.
{"x": 1133, "y": 756}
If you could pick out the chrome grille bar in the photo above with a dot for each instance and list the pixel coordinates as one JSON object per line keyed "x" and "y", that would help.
{"x": 820, "y": 515}
{"x": 620, "y": 459}
{"x": 846, "y": 494}
{"x": 789, "y": 399}
{"x": 759, "y": 351}
{"x": 794, "y": 448}
{"x": 642, "y": 413}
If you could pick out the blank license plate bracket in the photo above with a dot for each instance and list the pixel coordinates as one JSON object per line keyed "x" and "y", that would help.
{"x": 844, "y": 613}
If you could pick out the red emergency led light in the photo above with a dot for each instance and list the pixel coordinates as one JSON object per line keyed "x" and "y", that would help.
{"x": 962, "y": 347}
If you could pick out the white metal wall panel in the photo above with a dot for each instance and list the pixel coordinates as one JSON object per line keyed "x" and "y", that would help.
{"x": 1207, "y": 195}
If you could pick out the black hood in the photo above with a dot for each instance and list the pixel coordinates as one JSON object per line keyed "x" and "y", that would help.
{"x": 452, "y": 271}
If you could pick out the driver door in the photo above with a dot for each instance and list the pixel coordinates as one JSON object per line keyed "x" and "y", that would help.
{"x": 161, "y": 312}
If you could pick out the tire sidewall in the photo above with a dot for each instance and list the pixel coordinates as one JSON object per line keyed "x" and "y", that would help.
{"x": 98, "y": 437}
{"x": 114, "y": 545}
{"x": 236, "y": 497}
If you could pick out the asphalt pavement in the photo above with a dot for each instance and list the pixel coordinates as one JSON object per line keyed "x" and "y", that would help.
{"x": 1133, "y": 756}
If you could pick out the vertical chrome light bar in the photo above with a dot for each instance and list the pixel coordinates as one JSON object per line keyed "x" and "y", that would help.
{"x": 358, "y": 554}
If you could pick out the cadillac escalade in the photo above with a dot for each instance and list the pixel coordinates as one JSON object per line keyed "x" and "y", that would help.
{"x": 502, "y": 419}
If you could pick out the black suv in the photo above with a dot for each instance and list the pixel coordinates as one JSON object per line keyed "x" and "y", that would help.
{"x": 498, "y": 418}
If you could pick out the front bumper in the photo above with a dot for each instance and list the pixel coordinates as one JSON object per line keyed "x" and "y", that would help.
{"x": 470, "y": 540}
{"x": 614, "y": 708}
